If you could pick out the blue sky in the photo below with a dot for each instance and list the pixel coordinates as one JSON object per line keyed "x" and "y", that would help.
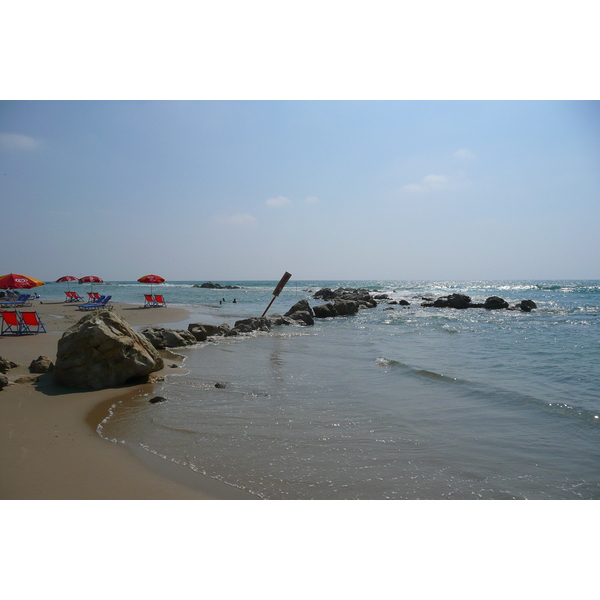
{"x": 323, "y": 189}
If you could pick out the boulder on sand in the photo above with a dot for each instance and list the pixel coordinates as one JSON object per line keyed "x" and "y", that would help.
{"x": 162, "y": 337}
{"x": 101, "y": 350}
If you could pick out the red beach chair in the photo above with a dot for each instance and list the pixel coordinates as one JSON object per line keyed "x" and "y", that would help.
{"x": 73, "y": 297}
{"x": 11, "y": 323}
{"x": 29, "y": 320}
{"x": 159, "y": 301}
{"x": 150, "y": 302}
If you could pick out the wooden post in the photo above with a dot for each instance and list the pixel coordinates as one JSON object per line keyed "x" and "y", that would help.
{"x": 277, "y": 290}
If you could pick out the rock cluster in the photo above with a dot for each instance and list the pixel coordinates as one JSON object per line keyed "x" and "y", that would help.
{"x": 462, "y": 301}
{"x": 217, "y": 286}
{"x": 161, "y": 337}
{"x": 344, "y": 301}
{"x": 101, "y": 350}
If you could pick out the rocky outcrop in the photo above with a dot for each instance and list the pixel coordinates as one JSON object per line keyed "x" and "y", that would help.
{"x": 101, "y": 350}
{"x": 346, "y": 301}
{"x": 526, "y": 305}
{"x": 462, "y": 301}
{"x": 216, "y": 286}
{"x": 495, "y": 303}
{"x": 300, "y": 306}
{"x": 161, "y": 337}
{"x": 42, "y": 364}
{"x": 3, "y": 381}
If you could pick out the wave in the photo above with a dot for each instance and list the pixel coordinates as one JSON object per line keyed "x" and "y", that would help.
{"x": 494, "y": 393}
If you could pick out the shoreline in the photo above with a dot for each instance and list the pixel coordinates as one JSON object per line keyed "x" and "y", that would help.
{"x": 49, "y": 448}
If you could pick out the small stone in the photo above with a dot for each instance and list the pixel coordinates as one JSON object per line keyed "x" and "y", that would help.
{"x": 157, "y": 399}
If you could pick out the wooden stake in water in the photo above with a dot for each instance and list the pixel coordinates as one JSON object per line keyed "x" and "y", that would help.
{"x": 277, "y": 290}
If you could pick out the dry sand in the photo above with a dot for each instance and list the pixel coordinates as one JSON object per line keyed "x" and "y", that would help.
{"x": 49, "y": 448}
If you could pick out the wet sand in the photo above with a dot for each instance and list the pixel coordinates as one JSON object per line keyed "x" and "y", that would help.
{"x": 49, "y": 448}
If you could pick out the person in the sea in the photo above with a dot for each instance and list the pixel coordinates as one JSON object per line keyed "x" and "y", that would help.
{"x": 234, "y": 301}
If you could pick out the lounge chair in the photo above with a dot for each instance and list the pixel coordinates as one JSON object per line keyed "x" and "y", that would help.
{"x": 11, "y": 323}
{"x": 149, "y": 301}
{"x": 102, "y": 303}
{"x": 94, "y": 296}
{"x": 159, "y": 301}
{"x": 29, "y": 320}
{"x": 22, "y": 300}
{"x": 73, "y": 297}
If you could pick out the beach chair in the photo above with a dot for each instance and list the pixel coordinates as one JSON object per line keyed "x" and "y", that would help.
{"x": 159, "y": 301}
{"x": 11, "y": 323}
{"x": 73, "y": 297}
{"x": 94, "y": 296}
{"x": 30, "y": 320}
{"x": 22, "y": 300}
{"x": 101, "y": 303}
{"x": 149, "y": 301}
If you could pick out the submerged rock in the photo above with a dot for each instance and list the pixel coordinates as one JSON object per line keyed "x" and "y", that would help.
{"x": 157, "y": 399}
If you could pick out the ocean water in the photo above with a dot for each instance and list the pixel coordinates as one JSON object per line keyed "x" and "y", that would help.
{"x": 407, "y": 403}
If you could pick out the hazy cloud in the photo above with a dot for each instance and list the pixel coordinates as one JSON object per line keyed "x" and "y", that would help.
{"x": 429, "y": 183}
{"x": 464, "y": 154}
{"x": 277, "y": 202}
{"x": 16, "y": 141}
{"x": 241, "y": 219}
{"x": 311, "y": 200}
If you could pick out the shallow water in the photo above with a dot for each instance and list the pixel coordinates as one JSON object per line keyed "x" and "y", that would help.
{"x": 405, "y": 403}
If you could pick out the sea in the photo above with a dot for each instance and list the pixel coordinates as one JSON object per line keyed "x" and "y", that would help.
{"x": 395, "y": 402}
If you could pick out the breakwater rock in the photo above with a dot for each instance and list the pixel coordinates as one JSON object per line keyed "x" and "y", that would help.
{"x": 462, "y": 301}
{"x": 162, "y": 337}
{"x": 217, "y": 286}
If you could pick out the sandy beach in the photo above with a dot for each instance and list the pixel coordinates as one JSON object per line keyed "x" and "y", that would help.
{"x": 49, "y": 448}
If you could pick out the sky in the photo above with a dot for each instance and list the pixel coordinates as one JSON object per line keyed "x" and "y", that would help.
{"x": 245, "y": 190}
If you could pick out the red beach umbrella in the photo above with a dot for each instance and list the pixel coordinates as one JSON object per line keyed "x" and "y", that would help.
{"x": 91, "y": 279}
{"x": 151, "y": 279}
{"x": 14, "y": 281}
{"x": 67, "y": 279}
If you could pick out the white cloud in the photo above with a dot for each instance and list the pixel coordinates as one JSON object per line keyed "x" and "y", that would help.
{"x": 429, "y": 183}
{"x": 311, "y": 200}
{"x": 277, "y": 202}
{"x": 16, "y": 141}
{"x": 239, "y": 219}
{"x": 436, "y": 183}
{"x": 464, "y": 154}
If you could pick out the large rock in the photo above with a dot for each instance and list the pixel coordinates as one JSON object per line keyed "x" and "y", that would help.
{"x": 101, "y": 350}
{"x": 325, "y": 310}
{"x": 302, "y": 317}
{"x": 526, "y": 305}
{"x": 495, "y": 303}
{"x": 3, "y": 381}
{"x": 161, "y": 337}
{"x": 300, "y": 306}
{"x": 459, "y": 301}
{"x": 346, "y": 307}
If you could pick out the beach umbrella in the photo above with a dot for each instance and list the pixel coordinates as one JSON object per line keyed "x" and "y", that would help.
{"x": 151, "y": 279}
{"x": 67, "y": 279}
{"x": 14, "y": 281}
{"x": 91, "y": 279}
